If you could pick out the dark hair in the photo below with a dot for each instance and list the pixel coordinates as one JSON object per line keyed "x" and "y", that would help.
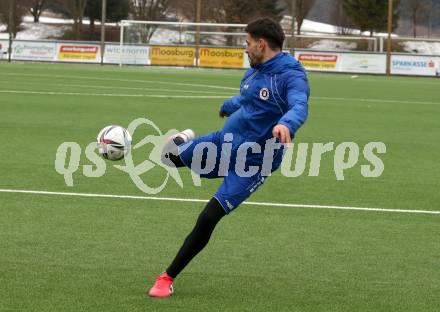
{"x": 268, "y": 29}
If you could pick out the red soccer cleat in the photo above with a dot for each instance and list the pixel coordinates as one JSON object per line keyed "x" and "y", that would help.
{"x": 163, "y": 287}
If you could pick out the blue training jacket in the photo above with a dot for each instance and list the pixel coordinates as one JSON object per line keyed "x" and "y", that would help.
{"x": 275, "y": 92}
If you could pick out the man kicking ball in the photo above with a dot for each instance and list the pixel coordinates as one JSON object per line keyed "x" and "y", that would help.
{"x": 271, "y": 107}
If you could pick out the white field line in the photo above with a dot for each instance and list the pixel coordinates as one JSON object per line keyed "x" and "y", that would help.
{"x": 204, "y": 96}
{"x": 114, "y": 87}
{"x": 382, "y": 79}
{"x": 420, "y": 81}
{"x": 125, "y": 80}
{"x": 326, "y": 76}
{"x": 117, "y": 94}
{"x": 372, "y": 100}
{"x": 200, "y": 85}
{"x": 192, "y": 200}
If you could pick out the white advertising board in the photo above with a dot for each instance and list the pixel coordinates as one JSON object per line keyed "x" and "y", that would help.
{"x": 363, "y": 63}
{"x": 132, "y": 55}
{"x": 415, "y": 65}
{"x": 402, "y": 64}
{"x": 34, "y": 51}
{"x": 4, "y": 49}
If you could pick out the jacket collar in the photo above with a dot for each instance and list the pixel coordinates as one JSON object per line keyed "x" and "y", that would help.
{"x": 269, "y": 64}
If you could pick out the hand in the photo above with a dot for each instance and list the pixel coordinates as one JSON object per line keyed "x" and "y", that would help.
{"x": 282, "y": 133}
{"x": 223, "y": 114}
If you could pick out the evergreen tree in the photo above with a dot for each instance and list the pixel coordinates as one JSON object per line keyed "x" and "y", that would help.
{"x": 116, "y": 11}
{"x": 370, "y": 15}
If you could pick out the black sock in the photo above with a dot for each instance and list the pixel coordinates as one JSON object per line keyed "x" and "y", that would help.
{"x": 198, "y": 238}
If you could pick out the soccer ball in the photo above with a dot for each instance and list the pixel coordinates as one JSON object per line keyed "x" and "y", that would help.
{"x": 114, "y": 142}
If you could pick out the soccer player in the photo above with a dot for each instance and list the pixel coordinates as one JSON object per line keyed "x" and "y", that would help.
{"x": 272, "y": 105}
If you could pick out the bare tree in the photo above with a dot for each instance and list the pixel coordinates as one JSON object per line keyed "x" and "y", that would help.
{"x": 229, "y": 11}
{"x": 339, "y": 18}
{"x": 432, "y": 9}
{"x": 302, "y": 9}
{"x": 186, "y": 9}
{"x": 35, "y": 7}
{"x": 149, "y": 10}
{"x": 416, "y": 8}
{"x": 75, "y": 10}
{"x": 4, "y": 9}
{"x": 18, "y": 9}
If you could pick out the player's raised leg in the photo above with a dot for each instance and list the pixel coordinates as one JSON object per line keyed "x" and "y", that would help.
{"x": 170, "y": 153}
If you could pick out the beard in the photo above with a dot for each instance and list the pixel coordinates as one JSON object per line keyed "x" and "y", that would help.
{"x": 255, "y": 60}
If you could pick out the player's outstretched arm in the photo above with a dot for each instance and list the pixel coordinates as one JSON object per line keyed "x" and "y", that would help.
{"x": 297, "y": 100}
{"x": 230, "y": 106}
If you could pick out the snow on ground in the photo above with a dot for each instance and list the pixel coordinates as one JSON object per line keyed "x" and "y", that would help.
{"x": 314, "y": 27}
{"x": 48, "y": 20}
{"x": 46, "y": 29}
{"x": 332, "y": 45}
{"x": 165, "y": 36}
{"x": 3, "y": 34}
{"x": 34, "y": 31}
{"x": 54, "y": 20}
{"x": 422, "y": 47}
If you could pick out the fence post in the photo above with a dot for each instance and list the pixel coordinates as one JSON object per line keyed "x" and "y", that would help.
{"x": 103, "y": 18}
{"x": 10, "y": 26}
{"x": 390, "y": 28}
{"x": 198, "y": 18}
{"x": 121, "y": 39}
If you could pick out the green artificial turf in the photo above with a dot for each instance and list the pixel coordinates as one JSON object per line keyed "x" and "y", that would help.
{"x": 60, "y": 253}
